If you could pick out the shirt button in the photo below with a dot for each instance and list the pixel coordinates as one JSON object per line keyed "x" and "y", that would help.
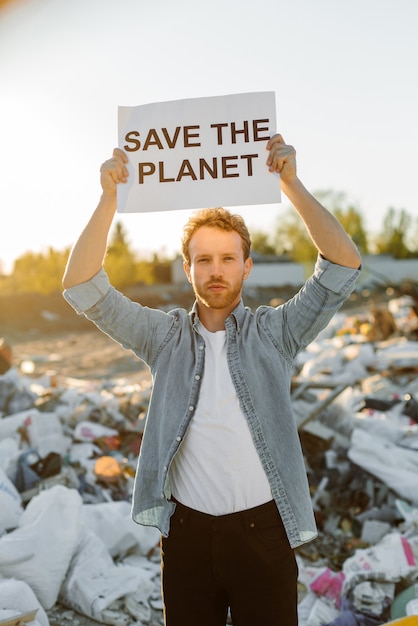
{"x": 197, "y": 377}
{"x": 165, "y": 468}
{"x": 178, "y": 438}
{"x": 200, "y": 347}
{"x": 191, "y": 408}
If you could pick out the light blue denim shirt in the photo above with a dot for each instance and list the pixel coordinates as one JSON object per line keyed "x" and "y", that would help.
{"x": 261, "y": 348}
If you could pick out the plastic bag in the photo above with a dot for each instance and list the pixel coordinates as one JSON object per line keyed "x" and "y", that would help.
{"x": 16, "y": 595}
{"x": 10, "y": 503}
{"x": 40, "y": 549}
{"x": 393, "y": 465}
{"x": 94, "y": 581}
{"x": 112, "y": 522}
{"x": 392, "y": 559}
{"x": 46, "y": 434}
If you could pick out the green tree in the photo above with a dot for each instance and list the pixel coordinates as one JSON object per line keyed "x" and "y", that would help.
{"x": 349, "y": 216}
{"x": 260, "y": 242}
{"x": 38, "y": 272}
{"x": 144, "y": 272}
{"x": 161, "y": 270}
{"x": 394, "y": 235}
{"x": 125, "y": 269}
{"x": 120, "y": 262}
{"x": 291, "y": 236}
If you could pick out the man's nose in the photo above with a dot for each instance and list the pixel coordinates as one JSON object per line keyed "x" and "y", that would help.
{"x": 216, "y": 269}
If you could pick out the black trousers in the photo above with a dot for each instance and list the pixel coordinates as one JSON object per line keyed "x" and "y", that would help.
{"x": 242, "y": 562}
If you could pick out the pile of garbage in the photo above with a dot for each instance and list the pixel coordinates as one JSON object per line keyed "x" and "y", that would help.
{"x": 355, "y": 398}
{"x": 68, "y": 452}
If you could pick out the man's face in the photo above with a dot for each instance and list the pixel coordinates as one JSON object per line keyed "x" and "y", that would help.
{"x": 217, "y": 267}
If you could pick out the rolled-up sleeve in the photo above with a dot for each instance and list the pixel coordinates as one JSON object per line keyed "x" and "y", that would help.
{"x": 82, "y": 297}
{"x": 336, "y": 278}
{"x": 294, "y": 324}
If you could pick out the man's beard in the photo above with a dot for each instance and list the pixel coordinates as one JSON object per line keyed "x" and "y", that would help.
{"x": 220, "y": 300}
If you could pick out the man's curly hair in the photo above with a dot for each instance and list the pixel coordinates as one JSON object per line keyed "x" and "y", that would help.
{"x": 217, "y": 217}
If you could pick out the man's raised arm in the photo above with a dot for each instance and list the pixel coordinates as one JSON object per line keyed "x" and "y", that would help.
{"x": 88, "y": 253}
{"x": 326, "y": 232}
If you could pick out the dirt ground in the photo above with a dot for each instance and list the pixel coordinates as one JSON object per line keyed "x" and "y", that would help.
{"x": 86, "y": 354}
{"x": 48, "y": 332}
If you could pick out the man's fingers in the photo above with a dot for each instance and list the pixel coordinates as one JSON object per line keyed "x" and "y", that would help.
{"x": 277, "y": 138}
{"x": 280, "y": 154}
{"x": 115, "y": 167}
{"x": 273, "y": 144}
{"x": 118, "y": 153}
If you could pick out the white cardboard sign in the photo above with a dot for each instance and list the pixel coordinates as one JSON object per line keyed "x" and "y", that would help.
{"x": 196, "y": 153}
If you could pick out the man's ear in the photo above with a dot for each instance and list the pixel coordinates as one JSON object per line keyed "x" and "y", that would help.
{"x": 248, "y": 264}
{"x": 186, "y": 268}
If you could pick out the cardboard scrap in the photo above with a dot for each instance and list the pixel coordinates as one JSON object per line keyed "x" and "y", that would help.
{"x": 17, "y": 620}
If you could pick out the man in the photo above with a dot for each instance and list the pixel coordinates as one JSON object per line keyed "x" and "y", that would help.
{"x": 221, "y": 472}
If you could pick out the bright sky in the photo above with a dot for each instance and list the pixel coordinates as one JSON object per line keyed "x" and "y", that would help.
{"x": 344, "y": 73}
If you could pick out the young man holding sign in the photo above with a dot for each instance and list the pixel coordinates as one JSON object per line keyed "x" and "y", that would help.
{"x": 221, "y": 472}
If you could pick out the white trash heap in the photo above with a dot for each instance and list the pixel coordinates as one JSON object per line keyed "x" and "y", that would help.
{"x": 68, "y": 451}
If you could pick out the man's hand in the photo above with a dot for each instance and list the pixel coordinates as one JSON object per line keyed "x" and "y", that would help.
{"x": 282, "y": 159}
{"x": 114, "y": 171}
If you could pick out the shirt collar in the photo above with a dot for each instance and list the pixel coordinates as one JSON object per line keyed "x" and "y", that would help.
{"x": 237, "y": 316}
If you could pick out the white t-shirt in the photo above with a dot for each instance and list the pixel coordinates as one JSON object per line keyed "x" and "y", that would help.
{"x": 217, "y": 469}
